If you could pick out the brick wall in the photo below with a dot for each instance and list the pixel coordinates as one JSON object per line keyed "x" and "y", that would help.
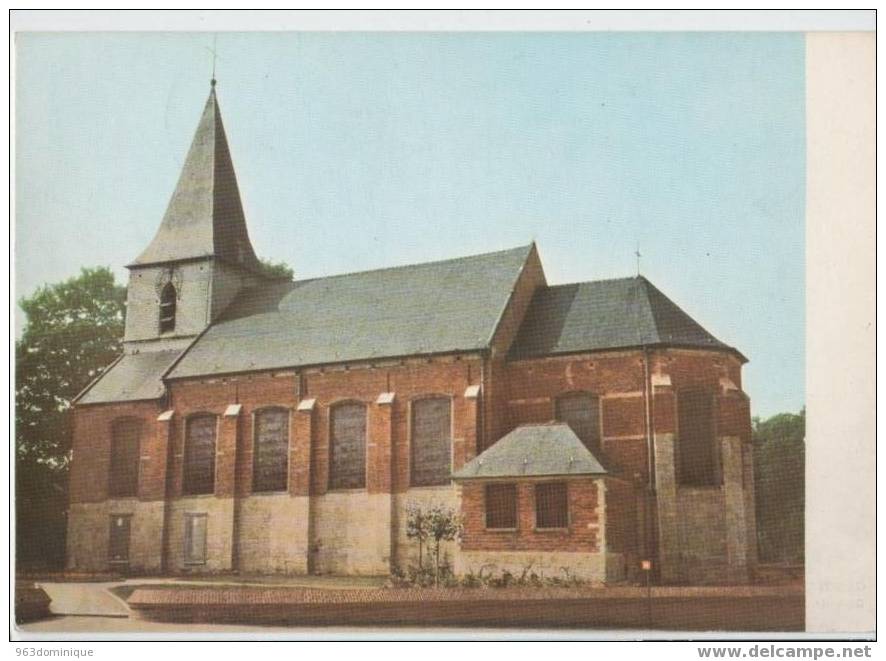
{"x": 516, "y": 393}
{"x": 92, "y": 451}
{"x": 581, "y": 535}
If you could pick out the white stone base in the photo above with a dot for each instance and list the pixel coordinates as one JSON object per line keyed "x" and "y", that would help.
{"x": 89, "y": 535}
{"x": 273, "y": 534}
{"x": 219, "y": 533}
{"x": 351, "y": 533}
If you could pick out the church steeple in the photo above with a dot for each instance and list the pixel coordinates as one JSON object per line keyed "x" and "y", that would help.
{"x": 201, "y": 257}
{"x": 205, "y": 217}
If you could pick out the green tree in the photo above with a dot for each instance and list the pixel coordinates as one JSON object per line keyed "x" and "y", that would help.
{"x": 276, "y": 270}
{"x": 73, "y": 330}
{"x": 779, "y": 468}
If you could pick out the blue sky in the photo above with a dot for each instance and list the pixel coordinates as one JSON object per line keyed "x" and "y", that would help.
{"x": 363, "y": 150}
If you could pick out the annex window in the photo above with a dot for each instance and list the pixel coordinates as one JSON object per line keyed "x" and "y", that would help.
{"x": 199, "y": 474}
{"x": 501, "y": 506}
{"x": 581, "y": 411}
{"x": 123, "y": 469}
{"x": 347, "y": 446}
{"x": 118, "y": 540}
{"x": 551, "y": 505}
{"x": 270, "y": 460}
{"x": 431, "y": 441}
{"x": 167, "y": 308}
{"x": 697, "y": 462}
{"x": 195, "y": 539}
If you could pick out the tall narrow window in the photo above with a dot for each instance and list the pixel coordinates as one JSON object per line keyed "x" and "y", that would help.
{"x": 199, "y": 474}
{"x": 195, "y": 539}
{"x": 123, "y": 469}
{"x": 431, "y": 441}
{"x": 347, "y": 446}
{"x": 118, "y": 540}
{"x": 270, "y": 459}
{"x": 581, "y": 411}
{"x": 167, "y": 308}
{"x": 501, "y": 506}
{"x": 551, "y": 505}
{"x": 698, "y": 461}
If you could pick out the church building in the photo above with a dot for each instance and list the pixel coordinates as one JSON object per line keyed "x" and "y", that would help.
{"x": 255, "y": 424}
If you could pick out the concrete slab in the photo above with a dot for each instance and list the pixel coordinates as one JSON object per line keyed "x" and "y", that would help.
{"x": 84, "y": 599}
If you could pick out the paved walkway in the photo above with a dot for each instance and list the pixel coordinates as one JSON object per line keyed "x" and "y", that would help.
{"x": 96, "y": 599}
{"x": 84, "y": 599}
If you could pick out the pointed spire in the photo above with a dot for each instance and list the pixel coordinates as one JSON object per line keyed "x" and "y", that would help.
{"x": 205, "y": 216}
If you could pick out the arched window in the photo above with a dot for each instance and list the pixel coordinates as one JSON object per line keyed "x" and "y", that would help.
{"x": 199, "y": 473}
{"x": 123, "y": 469}
{"x": 347, "y": 446}
{"x": 431, "y": 441}
{"x": 581, "y": 411}
{"x": 167, "y": 308}
{"x": 270, "y": 459}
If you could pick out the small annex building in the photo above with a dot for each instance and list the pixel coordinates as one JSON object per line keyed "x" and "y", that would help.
{"x": 261, "y": 425}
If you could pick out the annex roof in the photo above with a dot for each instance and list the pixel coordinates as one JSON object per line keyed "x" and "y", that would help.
{"x": 135, "y": 376}
{"x": 545, "y": 450}
{"x": 607, "y": 314}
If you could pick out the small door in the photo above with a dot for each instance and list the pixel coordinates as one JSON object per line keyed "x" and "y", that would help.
{"x": 118, "y": 546}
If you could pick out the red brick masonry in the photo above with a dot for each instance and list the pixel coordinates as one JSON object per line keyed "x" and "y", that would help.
{"x": 700, "y": 609}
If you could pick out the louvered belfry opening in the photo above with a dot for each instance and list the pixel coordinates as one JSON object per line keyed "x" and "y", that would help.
{"x": 167, "y": 308}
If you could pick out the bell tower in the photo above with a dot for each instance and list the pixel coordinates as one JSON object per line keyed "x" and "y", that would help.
{"x": 201, "y": 256}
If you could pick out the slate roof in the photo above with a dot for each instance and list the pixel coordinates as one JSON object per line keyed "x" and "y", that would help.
{"x": 607, "y": 314}
{"x": 550, "y": 449}
{"x": 136, "y": 376}
{"x": 435, "y": 307}
{"x": 205, "y": 216}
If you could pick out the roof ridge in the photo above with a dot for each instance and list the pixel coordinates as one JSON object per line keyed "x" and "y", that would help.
{"x": 598, "y": 280}
{"x": 412, "y": 265}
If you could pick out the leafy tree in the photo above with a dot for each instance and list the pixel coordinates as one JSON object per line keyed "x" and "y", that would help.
{"x": 73, "y": 331}
{"x": 779, "y": 468}
{"x": 437, "y": 524}
{"x": 417, "y": 529}
{"x": 276, "y": 270}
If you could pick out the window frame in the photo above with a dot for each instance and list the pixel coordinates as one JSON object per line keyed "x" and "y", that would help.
{"x": 116, "y": 424}
{"x": 714, "y": 446}
{"x": 111, "y": 520}
{"x": 330, "y": 452}
{"x": 185, "y": 449}
{"x": 411, "y": 433}
{"x": 512, "y": 487}
{"x": 567, "y": 514}
{"x": 255, "y": 446}
{"x": 598, "y": 448}
{"x": 165, "y": 320}
{"x": 187, "y": 538}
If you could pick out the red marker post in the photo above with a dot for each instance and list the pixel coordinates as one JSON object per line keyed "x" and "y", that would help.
{"x": 646, "y": 566}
